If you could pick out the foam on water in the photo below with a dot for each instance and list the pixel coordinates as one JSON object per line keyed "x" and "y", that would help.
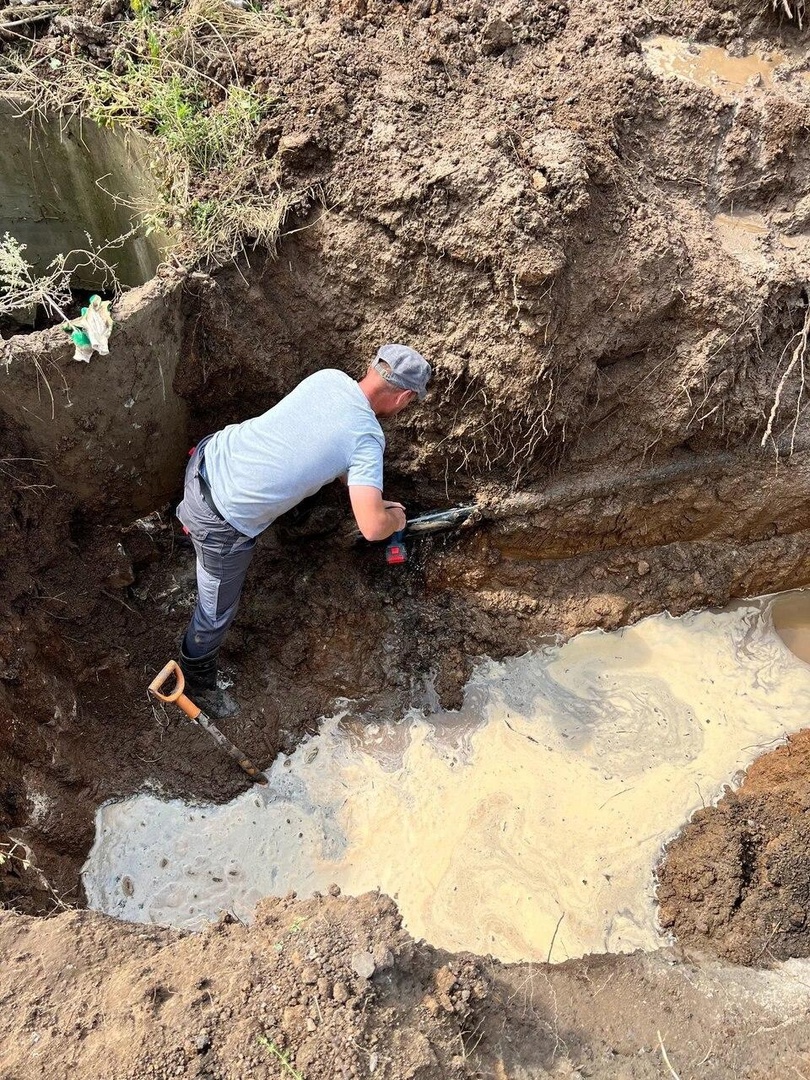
{"x": 526, "y": 825}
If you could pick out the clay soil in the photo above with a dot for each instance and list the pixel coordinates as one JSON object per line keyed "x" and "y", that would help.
{"x": 517, "y": 194}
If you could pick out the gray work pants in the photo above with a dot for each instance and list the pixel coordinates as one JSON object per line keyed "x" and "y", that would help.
{"x": 223, "y": 556}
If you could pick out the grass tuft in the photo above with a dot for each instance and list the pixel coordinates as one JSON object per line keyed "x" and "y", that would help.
{"x": 22, "y": 290}
{"x": 217, "y": 192}
{"x": 281, "y": 1057}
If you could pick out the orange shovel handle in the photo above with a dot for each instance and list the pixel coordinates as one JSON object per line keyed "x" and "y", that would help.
{"x": 176, "y": 696}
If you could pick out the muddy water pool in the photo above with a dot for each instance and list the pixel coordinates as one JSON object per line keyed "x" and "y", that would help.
{"x": 717, "y": 69}
{"x": 527, "y": 825}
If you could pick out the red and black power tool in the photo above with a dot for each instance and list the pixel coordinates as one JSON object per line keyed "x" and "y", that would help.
{"x": 396, "y": 553}
{"x": 438, "y": 521}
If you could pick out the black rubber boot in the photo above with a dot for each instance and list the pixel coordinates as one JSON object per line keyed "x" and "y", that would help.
{"x": 200, "y": 673}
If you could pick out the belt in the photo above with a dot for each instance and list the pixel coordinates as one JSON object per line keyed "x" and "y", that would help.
{"x": 205, "y": 490}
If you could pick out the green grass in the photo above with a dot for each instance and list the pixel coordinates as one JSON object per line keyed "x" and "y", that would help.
{"x": 287, "y": 1068}
{"x": 217, "y": 192}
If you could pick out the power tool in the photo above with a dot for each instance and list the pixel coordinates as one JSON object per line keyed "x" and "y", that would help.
{"x": 437, "y": 521}
{"x": 396, "y": 552}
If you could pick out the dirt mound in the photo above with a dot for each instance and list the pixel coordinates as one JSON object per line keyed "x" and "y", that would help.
{"x": 737, "y": 879}
{"x": 332, "y": 987}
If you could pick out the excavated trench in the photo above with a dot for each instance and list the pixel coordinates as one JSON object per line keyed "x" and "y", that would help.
{"x": 556, "y": 787}
{"x": 612, "y": 340}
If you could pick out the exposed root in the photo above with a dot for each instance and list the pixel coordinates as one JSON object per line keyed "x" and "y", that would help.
{"x": 794, "y": 9}
{"x": 665, "y": 1056}
{"x": 797, "y": 358}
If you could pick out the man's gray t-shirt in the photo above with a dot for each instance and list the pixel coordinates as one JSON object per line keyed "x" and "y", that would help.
{"x": 324, "y": 428}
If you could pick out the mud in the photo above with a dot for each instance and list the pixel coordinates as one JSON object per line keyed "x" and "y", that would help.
{"x": 608, "y": 269}
{"x": 715, "y": 67}
{"x": 340, "y": 990}
{"x": 565, "y": 770}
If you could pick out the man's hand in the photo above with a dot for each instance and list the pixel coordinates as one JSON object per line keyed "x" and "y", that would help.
{"x": 399, "y": 514}
{"x": 376, "y": 517}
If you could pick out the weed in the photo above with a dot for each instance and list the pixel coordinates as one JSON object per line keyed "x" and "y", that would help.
{"x": 22, "y": 290}
{"x": 281, "y": 1057}
{"x": 295, "y": 928}
{"x": 216, "y": 191}
{"x": 282, "y": 15}
{"x": 140, "y": 9}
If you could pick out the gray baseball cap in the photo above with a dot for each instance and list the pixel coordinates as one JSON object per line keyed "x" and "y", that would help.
{"x": 408, "y": 369}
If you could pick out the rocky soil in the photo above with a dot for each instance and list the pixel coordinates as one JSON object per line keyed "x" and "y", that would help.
{"x": 514, "y": 191}
{"x": 333, "y": 987}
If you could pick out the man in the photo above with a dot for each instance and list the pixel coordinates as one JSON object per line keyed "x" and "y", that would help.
{"x": 241, "y": 479}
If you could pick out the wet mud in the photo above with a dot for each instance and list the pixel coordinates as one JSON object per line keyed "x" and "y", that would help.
{"x": 606, "y": 263}
{"x": 526, "y": 826}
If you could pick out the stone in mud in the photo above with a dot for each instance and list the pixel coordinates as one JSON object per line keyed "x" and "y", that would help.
{"x": 383, "y": 957}
{"x": 497, "y": 36}
{"x": 539, "y": 263}
{"x": 298, "y": 149}
{"x": 363, "y": 965}
{"x": 120, "y": 572}
{"x": 445, "y": 983}
{"x": 560, "y": 156}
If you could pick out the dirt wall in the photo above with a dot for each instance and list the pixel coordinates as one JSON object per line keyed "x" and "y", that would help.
{"x": 111, "y": 432}
{"x": 559, "y": 230}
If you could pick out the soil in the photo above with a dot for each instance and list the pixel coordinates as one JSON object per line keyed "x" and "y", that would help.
{"x": 333, "y": 987}
{"x": 517, "y": 194}
{"x": 736, "y": 879}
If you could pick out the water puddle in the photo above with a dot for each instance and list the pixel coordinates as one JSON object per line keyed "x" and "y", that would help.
{"x": 790, "y": 614}
{"x": 527, "y": 825}
{"x": 715, "y": 68}
{"x": 748, "y": 237}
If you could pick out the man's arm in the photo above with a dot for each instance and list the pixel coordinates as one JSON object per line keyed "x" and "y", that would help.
{"x": 376, "y": 518}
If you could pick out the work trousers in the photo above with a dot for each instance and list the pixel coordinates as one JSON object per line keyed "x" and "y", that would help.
{"x": 223, "y": 557}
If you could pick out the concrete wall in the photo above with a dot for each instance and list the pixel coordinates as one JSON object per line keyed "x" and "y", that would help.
{"x": 54, "y": 182}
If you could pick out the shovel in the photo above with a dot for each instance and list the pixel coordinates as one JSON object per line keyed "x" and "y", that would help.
{"x": 197, "y": 716}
